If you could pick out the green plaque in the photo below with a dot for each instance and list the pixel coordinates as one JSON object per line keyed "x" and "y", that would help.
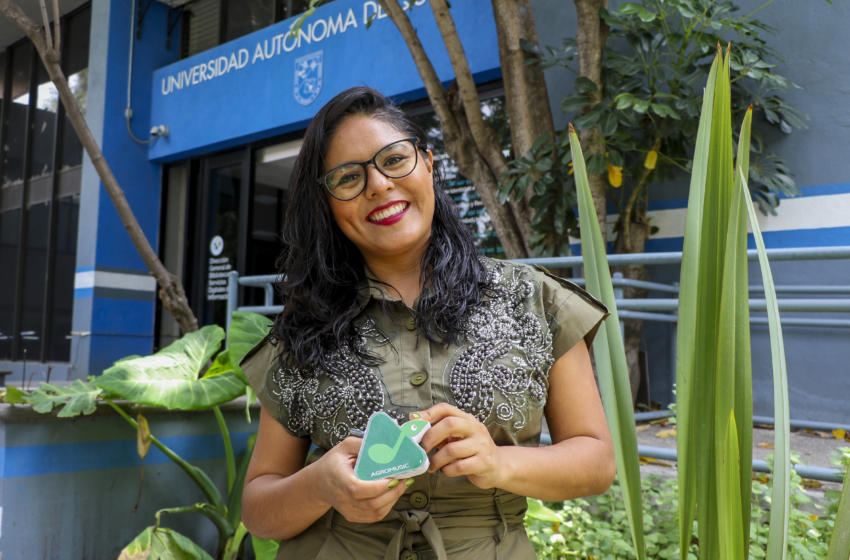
{"x": 391, "y": 452}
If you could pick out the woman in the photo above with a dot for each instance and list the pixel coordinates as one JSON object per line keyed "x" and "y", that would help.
{"x": 387, "y": 306}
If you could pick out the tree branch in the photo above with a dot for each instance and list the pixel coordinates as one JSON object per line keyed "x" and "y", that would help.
{"x": 458, "y": 138}
{"x": 171, "y": 292}
{"x": 46, "y": 19}
{"x": 485, "y": 137}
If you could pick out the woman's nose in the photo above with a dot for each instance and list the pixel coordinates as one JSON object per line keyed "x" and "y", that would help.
{"x": 377, "y": 182}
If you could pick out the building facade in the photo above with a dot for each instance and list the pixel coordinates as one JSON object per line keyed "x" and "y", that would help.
{"x": 230, "y": 93}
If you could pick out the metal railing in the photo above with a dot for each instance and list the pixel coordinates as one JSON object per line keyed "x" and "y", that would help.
{"x": 645, "y": 309}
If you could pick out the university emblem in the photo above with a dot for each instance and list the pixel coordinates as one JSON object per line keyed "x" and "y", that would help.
{"x": 308, "y": 77}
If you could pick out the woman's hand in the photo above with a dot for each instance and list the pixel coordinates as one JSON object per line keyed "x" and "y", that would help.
{"x": 465, "y": 446}
{"x": 357, "y": 500}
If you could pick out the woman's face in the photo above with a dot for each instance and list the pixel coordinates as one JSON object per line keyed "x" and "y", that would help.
{"x": 391, "y": 217}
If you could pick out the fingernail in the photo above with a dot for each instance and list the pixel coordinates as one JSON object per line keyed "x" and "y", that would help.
{"x": 408, "y": 483}
{"x": 416, "y": 416}
{"x": 392, "y": 484}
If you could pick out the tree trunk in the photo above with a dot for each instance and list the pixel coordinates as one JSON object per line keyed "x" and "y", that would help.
{"x": 171, "y": 289}
{"x": 469, "y": 141}
{"x": 632, "y": 327}
{"x": 591, "y": 36}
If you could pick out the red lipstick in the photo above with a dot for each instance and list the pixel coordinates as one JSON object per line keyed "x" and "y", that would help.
{"x": 390, "y": 220}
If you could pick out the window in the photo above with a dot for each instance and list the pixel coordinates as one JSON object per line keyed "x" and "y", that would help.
{"x": 209, "y": 23}
{"x": 461, "y": 189}
{"x": 40, "y": 166}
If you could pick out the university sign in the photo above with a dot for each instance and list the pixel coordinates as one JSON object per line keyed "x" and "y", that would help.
{"x": 274, "y": 80}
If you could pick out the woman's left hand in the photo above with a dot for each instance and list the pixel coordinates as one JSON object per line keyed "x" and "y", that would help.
{"x": 464, "y": 445}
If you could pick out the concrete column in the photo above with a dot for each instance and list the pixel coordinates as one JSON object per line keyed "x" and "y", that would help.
{"x": 114, "y": 296}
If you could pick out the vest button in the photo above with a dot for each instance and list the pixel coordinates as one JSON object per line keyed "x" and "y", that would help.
{"x": 418, "y": 378}
{"x": 409, "y": 555}
{"x": 411, "y": 324}
{"x": 419, "y": 500}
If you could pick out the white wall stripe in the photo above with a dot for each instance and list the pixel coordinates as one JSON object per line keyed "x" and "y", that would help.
{"x": 800, "y": 213}
{"x": 100, "y": 279}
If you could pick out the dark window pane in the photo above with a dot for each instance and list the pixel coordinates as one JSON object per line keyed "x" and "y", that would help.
{"x": 78, "y": 30}
{"x": 35, "y": 270}
{"x": 10, "y": 227}
{"x": 44, "y": 124}
{"x": 16, "y": 120}
{"x": 222, "y": 241}
{"x": 247, "y": 16}
{"x": 2, "y": 91}
{"x": 468, "y": 203}
{"x": 292, "y": 8}
{"x": 62, "y": 281}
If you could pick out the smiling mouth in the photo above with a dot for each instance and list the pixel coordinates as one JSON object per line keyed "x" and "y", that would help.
{"x": 393, "y": 210}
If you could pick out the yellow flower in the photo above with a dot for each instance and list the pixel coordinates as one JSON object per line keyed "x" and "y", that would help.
{"x": 651, "y": 159}
{"x": 570, "y": 166}
{"x": 615, "y": 175}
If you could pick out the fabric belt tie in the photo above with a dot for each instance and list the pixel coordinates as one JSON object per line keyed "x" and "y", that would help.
{"x": 416, "y": 521}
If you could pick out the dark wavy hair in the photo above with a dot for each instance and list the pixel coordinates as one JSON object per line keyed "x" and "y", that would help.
{"x": 320, "y": 268}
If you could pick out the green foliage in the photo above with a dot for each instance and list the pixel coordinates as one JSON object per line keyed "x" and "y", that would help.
{"x": 77, "y": 398}
{"x": 159, "y": 543}
{"x": 598, "y": 526}
{"x": 172, "y": 378}
{"x": 839, "y": 545}
{"x": 169, "y": 378}
{"x": 656, "y": 61}
{"x": 13, "y": 395}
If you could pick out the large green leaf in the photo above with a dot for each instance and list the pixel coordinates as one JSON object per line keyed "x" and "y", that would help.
{"x": 610, "y": 354}
{"x": 780, "y": 508}
{"x": 13, "y": 395}
{"x": 159, "y": 543}
{"x": 265, "y": 549}
{"x": 78, "y": 398}
{"x": 246, "y": 331}
{"x": 537, "y": 510}
{"x": 169, "y": 378}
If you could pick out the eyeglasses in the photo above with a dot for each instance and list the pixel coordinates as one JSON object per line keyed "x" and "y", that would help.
{"x": 395, "y": 161}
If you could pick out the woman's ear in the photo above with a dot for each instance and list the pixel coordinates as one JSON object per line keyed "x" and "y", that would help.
{"x": 429, "y": 161}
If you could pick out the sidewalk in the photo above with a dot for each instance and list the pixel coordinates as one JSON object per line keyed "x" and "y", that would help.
{"x": 815, "y": 450}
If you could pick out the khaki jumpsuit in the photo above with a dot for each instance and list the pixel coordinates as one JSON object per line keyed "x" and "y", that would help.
{"x": 499, "y": 374}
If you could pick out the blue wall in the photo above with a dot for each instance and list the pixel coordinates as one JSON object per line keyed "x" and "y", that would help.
{"x": 67, "y": 486}
{"x": 254, "y": 97}
{"x": 114, "y": 294}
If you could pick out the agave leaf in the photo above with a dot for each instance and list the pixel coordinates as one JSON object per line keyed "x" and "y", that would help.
{"x": 688, "y": 315}
{"x": 733, "y": 389}
{"x": 730, "y": 523}
{"x": 169, "y": 378}
{"x": 780, "y": 509}
{"x": 839, "y": 544}
{"x": 246, "y": 331}
{"x": 77, "y": 398}
{"x": 610, "y": 355}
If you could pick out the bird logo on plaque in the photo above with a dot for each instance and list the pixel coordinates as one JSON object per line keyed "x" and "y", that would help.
{"x": 390, "y": 451}
{"x": 308, "y": 77}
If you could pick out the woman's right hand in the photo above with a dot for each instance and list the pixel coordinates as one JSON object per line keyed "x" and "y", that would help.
{"x": 357, "y": 500}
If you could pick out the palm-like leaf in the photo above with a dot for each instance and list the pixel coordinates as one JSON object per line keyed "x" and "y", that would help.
{"x": 169, "y": 378}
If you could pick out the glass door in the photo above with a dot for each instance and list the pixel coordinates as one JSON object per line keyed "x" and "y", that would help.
{"x": 221, "y": 236}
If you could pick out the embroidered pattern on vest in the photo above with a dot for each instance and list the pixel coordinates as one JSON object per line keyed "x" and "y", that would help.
{"x": 496, "y": 329}
{"x": 347, "y": 402}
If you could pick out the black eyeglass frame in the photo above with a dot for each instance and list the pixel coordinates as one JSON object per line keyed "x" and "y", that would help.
{"x": 323, "y": 180}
